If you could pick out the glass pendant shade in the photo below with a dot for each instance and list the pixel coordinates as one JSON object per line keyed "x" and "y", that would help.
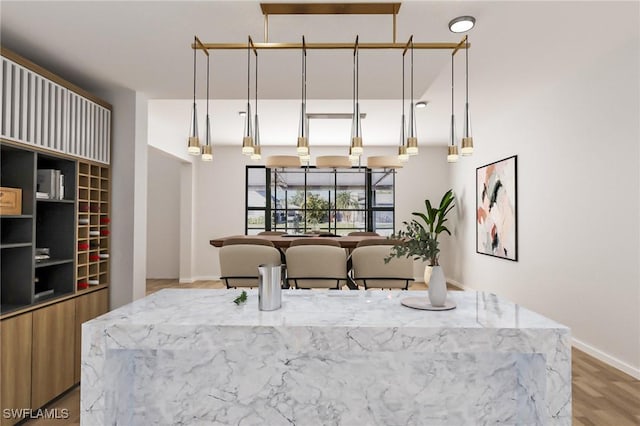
{"x": 403, "y": 155}
{"x": 452, "y": 155}
{"x": 303, "y": 141}
{"x": 247, "y": 140}
{"x": 467, "y": 139}
{"x": 257, "y": 152}
{"x": 412, "y": 140}
{"x": 206, "y": 148}
{"x": 207, "y": 154}
{"x": 354, "y": 158}
{"x": 194, "y": 140}
{"x": 305, "y": 158}
{"x": 356, "y": 132}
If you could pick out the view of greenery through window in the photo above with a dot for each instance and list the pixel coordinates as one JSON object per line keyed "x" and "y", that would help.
{"x": 323, "y": 200}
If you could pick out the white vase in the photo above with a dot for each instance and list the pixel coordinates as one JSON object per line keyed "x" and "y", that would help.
{"x": 427, "y": 274}
{"x": 437, "y": 287}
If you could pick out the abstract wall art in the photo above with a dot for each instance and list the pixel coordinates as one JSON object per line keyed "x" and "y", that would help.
{"x": 496, "y": 209}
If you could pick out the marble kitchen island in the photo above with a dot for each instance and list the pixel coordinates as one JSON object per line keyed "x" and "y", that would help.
{"x": 193, "y": 357}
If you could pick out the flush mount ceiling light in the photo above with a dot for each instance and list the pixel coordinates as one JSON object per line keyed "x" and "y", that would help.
{"x": 282, "y": 161}
{"x": 333, "y": 162}
{"x": 207, "y": 154}
{"x": 461, "y": 24}
{"x": 421, "y": 104}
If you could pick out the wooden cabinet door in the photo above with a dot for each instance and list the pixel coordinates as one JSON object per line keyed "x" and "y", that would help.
{"x": 15, "y": 359}
{"x": 53, "y": 351}
{"x": 88, "y": 307}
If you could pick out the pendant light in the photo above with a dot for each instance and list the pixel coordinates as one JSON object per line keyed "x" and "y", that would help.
{"x": 303, "y": 137}
{"x": 403, "y": 155}
{"x": 257, "y": 151}
{"x": 194, "y": 140}
{"x": 356, "y": 124}
{"x": 207, "y": 154}
{"x": 247, "y": 140}
{"x": 412, "y": 139}
{"x": 305, "y": 158}
{"x": 467, "y": 139}
{"x": 354, "y": 158}
{"x": 452, "y": 155}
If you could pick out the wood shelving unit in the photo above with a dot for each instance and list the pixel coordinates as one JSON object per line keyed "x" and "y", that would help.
{"x": 49, "y": 124}
{"x": 94, "y": 222}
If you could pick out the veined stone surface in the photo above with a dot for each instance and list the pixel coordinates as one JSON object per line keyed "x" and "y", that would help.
{"x": 326, "y": 357}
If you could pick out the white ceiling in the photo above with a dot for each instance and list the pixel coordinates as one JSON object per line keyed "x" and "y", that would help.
{"x": 145, "y": 46}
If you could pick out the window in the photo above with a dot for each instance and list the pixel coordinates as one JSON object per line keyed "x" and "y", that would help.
{"x": 309, "y": 199}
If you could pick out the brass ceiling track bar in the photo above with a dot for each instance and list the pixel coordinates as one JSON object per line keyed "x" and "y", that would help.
{"x": 201, "y": 46}
{"x": 406, "y": 47}
{"x": 331, "y": 9}
{"x": 328, "y": 9}
{"x": 253, "y": 46}
{"x": 461, "y": 45}
{"x": 331, "y": 46}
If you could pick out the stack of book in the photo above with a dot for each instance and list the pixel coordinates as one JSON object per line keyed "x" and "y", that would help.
{"x": 50, "y": 184}
{"x": 42, "y": 254}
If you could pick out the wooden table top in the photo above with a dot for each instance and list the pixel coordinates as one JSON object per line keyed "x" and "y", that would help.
{"x": 281, "y": 241}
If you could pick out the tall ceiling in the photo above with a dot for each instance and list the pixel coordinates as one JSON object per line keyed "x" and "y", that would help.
{"x": 145, "y": 46}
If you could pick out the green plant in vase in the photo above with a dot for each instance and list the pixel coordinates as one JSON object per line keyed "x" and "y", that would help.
{"x": 419, "y": 240}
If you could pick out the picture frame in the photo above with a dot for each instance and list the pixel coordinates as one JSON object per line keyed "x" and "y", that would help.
{"x": 497, "y": 209}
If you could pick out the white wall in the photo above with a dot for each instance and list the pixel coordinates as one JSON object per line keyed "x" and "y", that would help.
{"x": 128, "y": 195}
{"x": 163, "y": 215}
{"x": 220, "y": 198}
{"x": 572, "y": 116}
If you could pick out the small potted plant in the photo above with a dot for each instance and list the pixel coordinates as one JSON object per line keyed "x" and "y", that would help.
{"x": 419, "y": 240}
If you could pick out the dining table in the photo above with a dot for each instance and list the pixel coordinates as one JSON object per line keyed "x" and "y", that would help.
{"x": 284, "y": 241}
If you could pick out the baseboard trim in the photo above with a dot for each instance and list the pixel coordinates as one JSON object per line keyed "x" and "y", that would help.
{"x": 606, "y": 358}
{"x": 185, "y": 280}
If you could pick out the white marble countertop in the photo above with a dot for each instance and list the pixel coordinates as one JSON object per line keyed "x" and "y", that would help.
{"x": 371, "y": 308}
{"x": 191, "y": 356}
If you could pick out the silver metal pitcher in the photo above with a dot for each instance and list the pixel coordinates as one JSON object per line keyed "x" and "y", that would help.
{"x": 269, "y": 288}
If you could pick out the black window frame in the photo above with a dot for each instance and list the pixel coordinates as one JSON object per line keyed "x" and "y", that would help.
{"x": 269, "y": 210}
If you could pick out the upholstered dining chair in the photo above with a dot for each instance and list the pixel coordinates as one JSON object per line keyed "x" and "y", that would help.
{"x": 370, "y": 270}
{"x": 321, "y": 265}
{"x": 240, "y": 258}
{"x": 314, "y": 242}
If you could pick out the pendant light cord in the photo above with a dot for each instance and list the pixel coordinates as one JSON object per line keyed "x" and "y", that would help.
{"x": 248, "y": 72}
{"x": 256, "y": 107}
{"x": 402, "y": 122}
{"x": 194, "y": 70}
{"x": 411, "y": 70}
{"x": 452, "y": 129}
{"x": 466, "y": 62}
{"x": 207, "y": 124}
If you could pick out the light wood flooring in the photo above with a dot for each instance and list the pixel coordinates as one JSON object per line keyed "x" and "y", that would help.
{"x": 602, "y": 395}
